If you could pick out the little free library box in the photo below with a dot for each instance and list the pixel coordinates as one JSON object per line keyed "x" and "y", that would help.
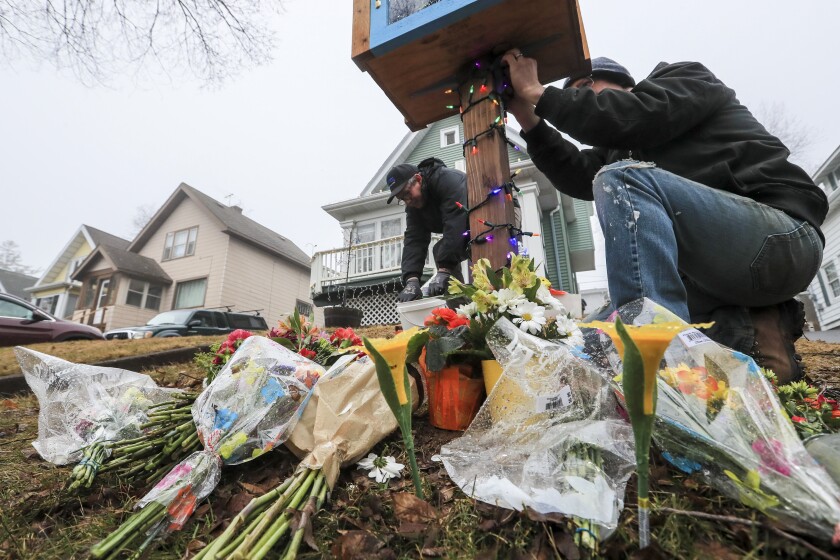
{"x": 417, "y": 50}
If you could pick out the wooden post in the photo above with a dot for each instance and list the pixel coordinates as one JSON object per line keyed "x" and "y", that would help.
{"x": 488, "y": 167}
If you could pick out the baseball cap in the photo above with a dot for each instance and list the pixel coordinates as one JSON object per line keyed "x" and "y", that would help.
{"x": 398, "y": 177}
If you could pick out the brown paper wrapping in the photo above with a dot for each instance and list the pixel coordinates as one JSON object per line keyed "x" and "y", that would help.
{"x": 345, "y": 417}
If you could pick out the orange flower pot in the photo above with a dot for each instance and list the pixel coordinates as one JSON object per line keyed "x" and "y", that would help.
{"x": 454, "y": 396}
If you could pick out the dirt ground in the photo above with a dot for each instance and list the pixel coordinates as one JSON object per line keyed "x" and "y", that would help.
{"x": 822, "y": 363}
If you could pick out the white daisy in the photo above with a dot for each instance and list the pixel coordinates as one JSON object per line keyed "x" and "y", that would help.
{"x": 508, "y": 298}
{"x": 381, "y": 468}
{"x": 530, "y": 317}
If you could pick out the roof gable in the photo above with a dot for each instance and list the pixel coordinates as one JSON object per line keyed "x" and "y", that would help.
{"x": 232, "y": 222}
{"x": 15, "y": 283}
{"x": 85, "y": 235}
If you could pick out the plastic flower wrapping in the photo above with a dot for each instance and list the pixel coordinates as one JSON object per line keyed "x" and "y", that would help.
{"x": 548, "y": 437}
{"x": 718, "y": 416}
{"x": 82, "y": 404}
{"x": 250, "y": 407}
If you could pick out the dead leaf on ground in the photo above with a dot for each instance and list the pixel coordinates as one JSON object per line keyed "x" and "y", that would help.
{"x": 552, "y": 517}
{"x": 435, "y": 552}
{"x": 30, "y": 453}
{"x": 237, "y": 502}
{"x": 356, "y": 545}
{"x": 254, "y": 489}
{"x": 566, "y": 546}
{"x": 195, "y": 545}
{"x": 412, "y": 530}
{"x": 9, "y": 404}
{"x": 715, "y": 550}
{"x": 408, "y": 508}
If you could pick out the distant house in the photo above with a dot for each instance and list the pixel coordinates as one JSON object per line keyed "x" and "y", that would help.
{"x": 369, "y": 271}
{"x": 56, "y": 291}
{"x": 194, "y": 252}
{"x": 825, "y": 288}
{"x": 15, "y": 283}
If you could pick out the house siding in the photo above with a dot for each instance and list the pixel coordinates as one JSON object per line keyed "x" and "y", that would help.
{"x": 828, "y": 309}
{"x": 208, "y": 261}
{"x": 255, "y": 280}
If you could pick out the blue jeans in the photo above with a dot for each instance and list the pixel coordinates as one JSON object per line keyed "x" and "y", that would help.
{"x": 695, "y": 249}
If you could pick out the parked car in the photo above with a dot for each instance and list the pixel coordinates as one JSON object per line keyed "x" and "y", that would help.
{"x": 23, "y": 323}
{"x": 190, "y": 322}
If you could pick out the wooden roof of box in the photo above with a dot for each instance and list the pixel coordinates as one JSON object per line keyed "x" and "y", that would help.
{"x": 415, "y": 59}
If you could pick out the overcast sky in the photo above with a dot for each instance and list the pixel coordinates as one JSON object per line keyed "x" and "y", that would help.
{"x": 311, "y": 129}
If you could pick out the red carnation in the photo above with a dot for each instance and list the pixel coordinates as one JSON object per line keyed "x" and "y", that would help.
{"x": 797, "y": 419}
{"x": 307, "y": 353}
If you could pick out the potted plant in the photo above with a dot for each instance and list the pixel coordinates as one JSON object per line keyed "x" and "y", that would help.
{"x": 457, "y": 338}
{"x": 342, "y": 315}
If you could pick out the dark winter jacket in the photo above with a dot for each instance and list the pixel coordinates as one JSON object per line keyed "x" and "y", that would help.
{"x": 441, "y": 188}
{"x": 683, "y": 119}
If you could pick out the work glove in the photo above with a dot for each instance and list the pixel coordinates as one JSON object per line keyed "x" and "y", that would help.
{"x": 411, "y": 291}
{"x": 439, "y": 283}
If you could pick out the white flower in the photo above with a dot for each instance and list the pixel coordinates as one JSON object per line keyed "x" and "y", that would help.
{"x": 468, "y": 310}
{"x": 544, "y": 296}
{"x": 381, "y": 468}
{"x": 530, "y": 317}
{"x": 566, "y": 326}
{"x": 508, "y": 298}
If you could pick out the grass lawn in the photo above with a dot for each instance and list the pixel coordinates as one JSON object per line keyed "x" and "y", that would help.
{"x": 362, "y": 519}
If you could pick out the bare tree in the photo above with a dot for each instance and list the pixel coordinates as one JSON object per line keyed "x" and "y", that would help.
{"x": 213, "y": 39}
{"x": 10, "y": 259}
{"x": 142, "y": 215}
{"x": 790, "y": 130}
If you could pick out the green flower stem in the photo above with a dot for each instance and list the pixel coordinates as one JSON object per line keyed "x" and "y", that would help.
{"x": 281, "y": 525}
{"x": 408, "y": 438}
{"x": 250, "y": 515}
{"x": 268, "y": 517}
{"x": 135, "y": 522}
{"x": 313, "y": 506}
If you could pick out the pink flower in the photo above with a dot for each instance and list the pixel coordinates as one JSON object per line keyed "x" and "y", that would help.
{"x": 772, "y": 456}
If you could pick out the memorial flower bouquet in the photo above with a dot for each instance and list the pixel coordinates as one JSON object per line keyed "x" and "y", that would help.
{"x": 516, "y": 293}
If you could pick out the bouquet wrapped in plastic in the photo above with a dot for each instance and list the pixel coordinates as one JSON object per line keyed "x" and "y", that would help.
{"x": 549, "y": 436}
{"x": 251, "y": 406}
{"x": 717, "y": 415}
{"x": 345, "y": 417}
{"x": 81, "y": 405}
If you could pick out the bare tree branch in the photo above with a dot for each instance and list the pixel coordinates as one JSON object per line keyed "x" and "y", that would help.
{"x": 213, "y": 39}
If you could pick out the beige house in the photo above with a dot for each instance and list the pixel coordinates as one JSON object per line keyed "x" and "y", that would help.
{"x": 194, "y": 252}
{"x": 55, "y": 291}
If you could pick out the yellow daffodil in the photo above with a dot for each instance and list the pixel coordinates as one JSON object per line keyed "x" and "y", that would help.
{"x": 393, "y": 350}
{"x": 652, "y": 340}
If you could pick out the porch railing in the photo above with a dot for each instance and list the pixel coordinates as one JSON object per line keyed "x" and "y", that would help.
{"x": 371, "y": 260}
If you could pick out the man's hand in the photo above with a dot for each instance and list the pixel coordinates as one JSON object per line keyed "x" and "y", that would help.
{"x": 411, "y": 291}
{"x": 439, "y": 284}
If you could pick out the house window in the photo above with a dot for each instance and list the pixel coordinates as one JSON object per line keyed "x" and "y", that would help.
{"x": 363, "y": 256}
{"x": 303, "y": 308}
{"x": 143, "y": 294}
{"x": 449, "y": 137}
{"x": 73, "y": 267}
{"x": 153, "y": 297}
{"x": 190, "y": 294}
{"x": 70, "y": 305}
{"x": 48, "y": 304}
{"x": 180, "y": 243}
{"x": 104, "y": 286}
{"x": 391, "y": 252}
{"x": 833, "y": 280}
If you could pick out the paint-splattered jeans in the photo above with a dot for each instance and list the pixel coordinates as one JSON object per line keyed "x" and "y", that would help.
{"x": 695, "y": 249}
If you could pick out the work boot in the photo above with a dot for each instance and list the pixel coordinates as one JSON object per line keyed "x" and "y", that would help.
{"x": 776, "y": 328}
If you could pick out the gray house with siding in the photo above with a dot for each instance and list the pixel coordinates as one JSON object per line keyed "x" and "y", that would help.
{"x": 825, "y": 288}
{"x": 367, "y": 268}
